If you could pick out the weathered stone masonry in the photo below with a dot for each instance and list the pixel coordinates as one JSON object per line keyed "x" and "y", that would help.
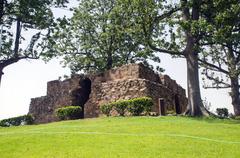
{"x": 128, "y": 81}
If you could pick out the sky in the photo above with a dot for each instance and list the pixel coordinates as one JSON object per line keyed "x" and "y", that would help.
{"x": 28, "y": 79}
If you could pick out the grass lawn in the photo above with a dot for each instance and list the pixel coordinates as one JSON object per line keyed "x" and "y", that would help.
{"x": 133, "y": 137}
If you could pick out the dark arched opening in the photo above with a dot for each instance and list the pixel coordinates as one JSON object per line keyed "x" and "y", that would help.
{"x": 177, "y": 105}
{"x": 81, "y": 94}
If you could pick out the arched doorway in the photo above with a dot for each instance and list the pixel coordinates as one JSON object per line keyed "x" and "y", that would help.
{"x": 81, "y": 94}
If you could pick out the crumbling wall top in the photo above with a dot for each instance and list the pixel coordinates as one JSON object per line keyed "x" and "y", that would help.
{"x": 129, "y": 71}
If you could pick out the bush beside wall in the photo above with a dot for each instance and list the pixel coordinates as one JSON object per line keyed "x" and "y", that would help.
{"x": 135, "y": 107}
{"x": 106, "y": 109}
{"x": 69, "y": 112}
{"x": 16, "y": 121}
{"x": 121, "y": 106}
{"x": 139, "y": 105}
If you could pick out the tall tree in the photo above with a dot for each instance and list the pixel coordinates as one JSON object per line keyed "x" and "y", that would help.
{"x": 176, "y": 30}
{"x": 99, "y": 36}
{"x": 19, "y": 17}
{"x": 221, "y": 47}
{"x": 104, "y": 33}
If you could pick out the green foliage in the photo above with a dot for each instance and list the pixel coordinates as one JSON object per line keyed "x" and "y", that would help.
{"x": 16, "y": 121}
{"x": 175, "y": 28}
{"x": 220, "y": 46}
{"x": 135, "y": 106}
{"x": 222, "y": 112}
{"x": 106, "y": 109}
{"x": 99, "y": 36}
{"x": 121, "y": 106}
{"x": 221, "y": 43}
{"x": 68, "y": 112}
{"x": 32, "y": 15}
{"x": 18, "y": 20}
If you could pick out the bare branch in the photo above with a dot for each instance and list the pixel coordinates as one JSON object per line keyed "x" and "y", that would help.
{"x": 4, "y": 63}
{"x": 164, "y": 50}
{"x": 216, "y": 81}
{"x": 213, "y": 66}
{"x": 216, "y": 87}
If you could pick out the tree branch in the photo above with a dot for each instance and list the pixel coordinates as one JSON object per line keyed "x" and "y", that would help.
{"x": 164, "y": 50}
{"x": 186, "y": 12}
{"x": 166, "y": 15}
{"x": 216, "y": 87}
{"x": 10, "y": 61}
{"x": 17, "y": 40}
{"x": 150, "y": 44}
{"x": 217, "y": 82}
{"x": 213, "y": 66}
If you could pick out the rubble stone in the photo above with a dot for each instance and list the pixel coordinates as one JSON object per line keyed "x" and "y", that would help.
{"x": 126, "y": 82}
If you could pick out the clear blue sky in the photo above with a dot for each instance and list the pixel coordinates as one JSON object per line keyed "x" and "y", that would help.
{"x": 28, "y": 79}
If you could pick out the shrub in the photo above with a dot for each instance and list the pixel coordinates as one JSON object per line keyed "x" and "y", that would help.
{"x": 28, "y": 119}
{"x": 222, "y": 112}
{"x": 120, "y": 106}
{"x": 69, "y": 112}
{"x": 146, "y": 102}
{"x": 106, "y": 109}
{"x": 140, "y": 105}
{"x": 135, "y": 109}
{"x": 16, "y": 121}
{"x": 135, "y": 106}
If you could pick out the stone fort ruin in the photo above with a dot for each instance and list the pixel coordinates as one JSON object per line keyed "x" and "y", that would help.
{"x": 91, "y": 90}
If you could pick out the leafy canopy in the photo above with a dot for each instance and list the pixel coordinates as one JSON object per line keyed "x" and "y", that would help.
{"x": 19, "y": 19}
{"x": 99, "y": 36}
{"x": 221, "y": 57}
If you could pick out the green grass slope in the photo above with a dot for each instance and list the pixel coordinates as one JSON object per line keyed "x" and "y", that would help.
{"x": 133, "y": 137}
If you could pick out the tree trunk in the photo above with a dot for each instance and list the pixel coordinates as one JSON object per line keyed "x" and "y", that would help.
{"x": 235, "y": 95}
{"x": 109, "y": 61}
{"x": 195, "y": 106}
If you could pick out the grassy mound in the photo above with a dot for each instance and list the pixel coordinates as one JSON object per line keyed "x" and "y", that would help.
{"x": 131, "y": 137}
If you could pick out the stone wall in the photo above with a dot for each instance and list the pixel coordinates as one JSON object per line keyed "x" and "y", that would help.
{"x": 58, "y": 95}
{"x": 113, "y": 90}
{"x": 158, "y": 91}
{"x": 128, "y": 81}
